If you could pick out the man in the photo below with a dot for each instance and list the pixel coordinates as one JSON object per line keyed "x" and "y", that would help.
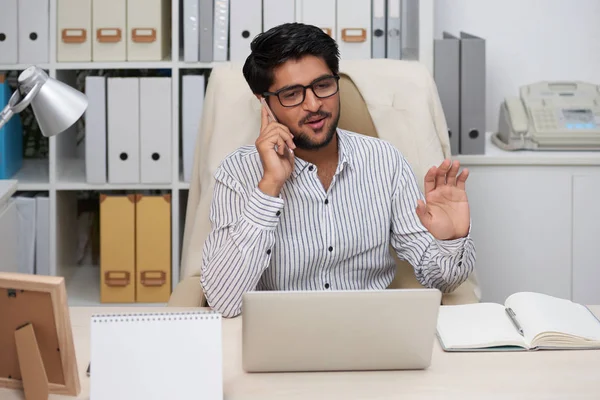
{"x": 314, "y": 207}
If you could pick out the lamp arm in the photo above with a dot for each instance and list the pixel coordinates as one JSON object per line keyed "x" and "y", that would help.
{"x": 5, "y": 115}
{"x": 16, "y": 104}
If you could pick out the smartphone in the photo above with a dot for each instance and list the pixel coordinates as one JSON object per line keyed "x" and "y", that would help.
{"x": 264, "y": 102}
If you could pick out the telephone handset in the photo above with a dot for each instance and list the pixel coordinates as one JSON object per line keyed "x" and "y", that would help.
{"x": 551, "y": 116}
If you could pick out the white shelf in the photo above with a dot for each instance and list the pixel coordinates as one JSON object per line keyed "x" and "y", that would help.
{"x": 63, "y": 174}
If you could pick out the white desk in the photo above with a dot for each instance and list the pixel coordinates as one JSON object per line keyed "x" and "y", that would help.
{"x": 8, "y": 227}
{"x": 535, "y": 375}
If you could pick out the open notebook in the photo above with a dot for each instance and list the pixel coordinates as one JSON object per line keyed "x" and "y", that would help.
{"x": 546, "y": 322}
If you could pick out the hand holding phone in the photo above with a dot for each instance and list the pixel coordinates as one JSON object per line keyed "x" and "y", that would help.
{"x": 275, "y": 147}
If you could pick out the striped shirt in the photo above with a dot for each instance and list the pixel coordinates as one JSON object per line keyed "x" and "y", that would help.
{"x": 311, "y": 239}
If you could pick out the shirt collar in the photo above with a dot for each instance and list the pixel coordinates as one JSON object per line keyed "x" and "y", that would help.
{"x": 345, "y": 153}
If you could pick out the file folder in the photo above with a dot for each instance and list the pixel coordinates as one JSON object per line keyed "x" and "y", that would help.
{"x": 354, "y": 29}
{"x": 27, "y": 223}
{"x": 95, "y": 130}
{"x": 149, "y": 30}
{"x": 74, "y": 26}
{"x": 394, "y": 29}
{"x": 117, "y": 248}
{"x": 277, "y": 12}
{"x": 9, "y": 243}
{"x": 221, "y": 31}
{"x": 34, "y": 17}
{"x": 207, "y": 16}
{"x": 153, "y": 248}
{"x": 155, "y": 130}
{"x": 472, "y": 94}
{"x": 245, "y": 23}
{"x": 9, "y": 50}
{"x": 42, "y": 236}
{"x": 191, "y": 30}
{"x": 320, "y": 13}
{"x": 379, "y": 34}
{"x": 109, "y": 25}
{"x": 192, "y": 99}
{"x": 123, "y": 130}
{"x": 11, "y": 137}
{"x": 446, "y": 71}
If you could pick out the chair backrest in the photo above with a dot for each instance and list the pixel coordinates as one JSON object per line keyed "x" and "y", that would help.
{"x": 392, "y": 99}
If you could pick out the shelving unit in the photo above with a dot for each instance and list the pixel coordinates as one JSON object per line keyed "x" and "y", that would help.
{"x": 62, "y": 175}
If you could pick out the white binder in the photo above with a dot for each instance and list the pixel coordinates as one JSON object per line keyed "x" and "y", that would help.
{"x": 155, "y": 130}
{"x": 192, "y": 99}
{"x": 207, "y": 20}
{"x": 221, "y": 31}
{"x": 149, "y": 30}
{"x": 42, "y": 236}
{"x": 9, "y": 44}
{"x": 354, "y": 29}
{"x": 277, "y": 12}
{"x": 109, "y": 27}
{"x": 394, "y": 30}
{"x": 95, "y": 130}
{"x": 191, "y": 26}
{"x": 245, "y": 23}
{"x": 74, "y": 30}
{"x": 123, "y": 130}
{"x": 26, "y": 205}
{"x": 379, "y": 33}
{"x": 321, "y": 13}
{"x": 34, "y": 31}
{"x": 156, "y": 356}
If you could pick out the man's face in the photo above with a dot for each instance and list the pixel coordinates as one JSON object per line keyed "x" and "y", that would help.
{"x": 314, "y": 121}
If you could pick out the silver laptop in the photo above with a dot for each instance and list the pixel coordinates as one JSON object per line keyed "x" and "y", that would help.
{"x": 298, "y": 331}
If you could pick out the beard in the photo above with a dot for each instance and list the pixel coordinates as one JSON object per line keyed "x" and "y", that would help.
{"x": 304, "y": 142}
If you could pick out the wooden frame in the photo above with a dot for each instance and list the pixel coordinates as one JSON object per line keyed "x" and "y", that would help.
{"x": 44, "y": 299}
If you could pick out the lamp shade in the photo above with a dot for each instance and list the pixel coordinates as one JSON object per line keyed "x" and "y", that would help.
{"x": 56, "y": 105}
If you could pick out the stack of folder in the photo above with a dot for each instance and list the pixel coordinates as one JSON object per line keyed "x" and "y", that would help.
{"x": 113, "y": 30}
{"x": 460, "y": 76}
{"x": 128, "y": 135}
{"x": 135, "y": 248}
{"x": 33, "y": 232}
{"x": 24, "y": 31}
{"x": 222, "y": 30}
{"x": 11, "y": 136}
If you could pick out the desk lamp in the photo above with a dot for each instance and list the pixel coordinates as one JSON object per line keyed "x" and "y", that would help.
{"x": 56, "y": 105}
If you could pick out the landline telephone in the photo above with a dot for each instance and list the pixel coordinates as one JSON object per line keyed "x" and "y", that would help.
{"x": 551, "y": 116}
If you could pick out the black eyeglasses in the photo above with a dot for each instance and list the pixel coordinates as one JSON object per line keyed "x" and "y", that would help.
{"x": 291, "y": 96}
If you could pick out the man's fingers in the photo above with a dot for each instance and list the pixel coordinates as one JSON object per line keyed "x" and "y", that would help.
{"x": 462, "y": 178}
{"x": 277, "y": 129}
{"x": 440, "y": 176}
{"x": 423, "y": 213}
{"x": 451, "y": 176}
{"x": 264, "y": 115}
{"x": 430, "y": 179}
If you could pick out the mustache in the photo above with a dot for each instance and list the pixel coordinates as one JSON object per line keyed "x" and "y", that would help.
{"x": 321, "y": 114}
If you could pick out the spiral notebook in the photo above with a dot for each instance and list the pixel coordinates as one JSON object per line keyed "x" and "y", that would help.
{"x": 170, "y": 355}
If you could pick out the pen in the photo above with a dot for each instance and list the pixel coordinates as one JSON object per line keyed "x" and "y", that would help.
{"x": 513, "y": 318}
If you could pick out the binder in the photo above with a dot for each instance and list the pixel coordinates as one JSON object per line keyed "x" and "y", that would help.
{"x": 446, "y": 71}
{"x": 27, "y": 222}
{"x": 9, "y": 243}
{"x": 155, "y": 130}
{"x": 207, "y": 15}
{"x": 277, "y": 12}
{"x": 321, "y": 13}
{"x": 117, "y": 248}
{"x": 191, "y": 30}
{"x": 109, "y": 25}
{"x": 165, "y": 355}
{"x": 74, "y": 30}
{"x": 192, "y": 99}
{"x": 153, "y": 248}
{"x": 472, "y": 94}
{"x": 354, "y": 29}
{"x": 123, "y": 130}
{"x": 245, "y": 23}
{"x": 221, "y": 31}
{"x": 9, "y": 50}
{"x": 149, "y": 30}
{"x": 34, "y": 18}
{"x": 379, "y": 34}
{"x": 394, "y": 29}
{"x": 42, "y": 236}
{"x": 11, "y": 137}
{"x": 95, "y": 130}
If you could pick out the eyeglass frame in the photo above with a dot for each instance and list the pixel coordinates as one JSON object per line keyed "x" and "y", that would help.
{"x": 304, "y": 87}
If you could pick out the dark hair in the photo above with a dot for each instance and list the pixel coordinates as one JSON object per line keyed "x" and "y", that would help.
{"x": 289, "y": 41}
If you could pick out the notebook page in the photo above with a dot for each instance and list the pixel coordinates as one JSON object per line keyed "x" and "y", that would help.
{"x": 171, "y": 355}
{"x": 539, "y": 313}
{"x": 477, "y": 325}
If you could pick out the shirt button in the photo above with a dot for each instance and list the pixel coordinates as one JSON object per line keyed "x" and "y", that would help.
{"x": 459, "y": 263}
{"x": 330, "y": 248}
{"x": 269, "y": 251}
{"x": 326, "y": 201}
{"x": 327, "y": 286}
{"x": 311, "y": 168}
{"x": 278, "y": 213}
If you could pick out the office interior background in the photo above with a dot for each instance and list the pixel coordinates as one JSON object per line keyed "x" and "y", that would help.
{"x": 534, "y": 213}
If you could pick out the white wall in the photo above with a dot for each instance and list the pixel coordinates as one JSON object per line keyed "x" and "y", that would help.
{"x": 527, "y": 41}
